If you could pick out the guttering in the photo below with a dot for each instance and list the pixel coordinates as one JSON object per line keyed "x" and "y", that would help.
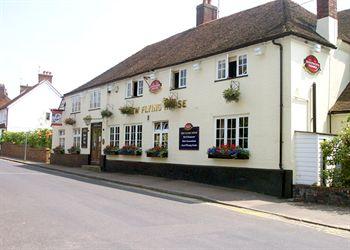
{"x": 281, "y": 105}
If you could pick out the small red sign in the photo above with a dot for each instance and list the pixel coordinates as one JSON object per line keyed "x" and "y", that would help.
{"x": 188, "y": 126}
{"x": 155, "y": 86}
{"x": 311, "y": 64}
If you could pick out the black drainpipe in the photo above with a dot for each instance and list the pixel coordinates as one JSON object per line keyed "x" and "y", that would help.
{"x": 281, "y": 105}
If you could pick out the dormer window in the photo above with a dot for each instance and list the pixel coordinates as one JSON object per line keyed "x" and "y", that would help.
{"x": 134, "y": 89}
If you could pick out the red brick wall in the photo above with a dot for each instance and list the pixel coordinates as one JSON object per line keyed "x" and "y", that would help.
{"x": 33, "y": 154}
{"x": 327, "y": 8}
{"x": 69, "y": 160}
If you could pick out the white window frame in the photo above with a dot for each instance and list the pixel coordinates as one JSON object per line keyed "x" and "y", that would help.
{"x": 140, "y": 85}
{"x": 76, "y": 104}
{"x": 138, "y": 135}
{"x": 240, "y": 59}
{"x": 77, "y": 137}
{"x": 61, "y": 137}
{"x": 95, "y": 99}
{"x": 182, "y": 78}
{"x": 222, "y": 76}
{"x": 128, "y": 90}
{"x": 114, "y": 138}
{"x": 161, "y": 132}
{"x": 238, "y": 136}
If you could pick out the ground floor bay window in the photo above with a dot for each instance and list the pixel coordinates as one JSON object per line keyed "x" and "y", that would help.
{"x": 232, "y": 131}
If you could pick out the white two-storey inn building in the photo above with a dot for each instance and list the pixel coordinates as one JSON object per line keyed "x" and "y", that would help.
{"x": 288, "y": 65}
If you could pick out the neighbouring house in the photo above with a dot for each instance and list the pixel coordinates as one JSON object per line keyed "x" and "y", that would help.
{"x": 282, "y": 69}
{"x": 31, "y": 109}
{"x": 3, "y": 100}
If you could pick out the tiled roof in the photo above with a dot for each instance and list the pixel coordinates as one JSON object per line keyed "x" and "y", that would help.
{"x": 342, "y": 105}
{"x": 344, "y": 25}
{"x": 263, "y": 23}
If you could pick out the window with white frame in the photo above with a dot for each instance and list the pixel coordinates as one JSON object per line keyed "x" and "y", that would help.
{"x": 61, "y": 138}
{"x": 179, "y": 79}
{"x": 76, "y": 104}
{"x": 160, "y": 134}
{"x": 232, "y": 131}
{"x": 95, "y": 99}
{"x": 134, "y": 89}
{"x": 114, "y": 136}
{"x": 222, "y": 69}
{"x": 76, "y": 137}
{"x": 242, "y": 69}
{"x": 133, "y": 135}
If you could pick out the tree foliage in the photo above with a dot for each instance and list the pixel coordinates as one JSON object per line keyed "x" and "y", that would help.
{"x": 40, "y": 138}
{"x": 336, "y": 153}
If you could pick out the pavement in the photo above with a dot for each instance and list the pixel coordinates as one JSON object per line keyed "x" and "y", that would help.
{"x": 48, "y": 209}
{"x": 316, "y": 214}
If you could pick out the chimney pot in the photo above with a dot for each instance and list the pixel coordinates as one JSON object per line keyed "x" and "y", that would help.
{"x": 45, "y": 76}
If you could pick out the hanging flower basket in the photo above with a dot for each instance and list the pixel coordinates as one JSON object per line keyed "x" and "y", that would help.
{"x": 106, "y": 113}
{"x": 87, "y": 119}
{"x": 110, "y": 150}
{"x": 228, "y": 152}
{"x": 74, "y": 150}
{"x": 130, "y": 150}
{"x": 170, "y": 103}
{"x": 157, "y": 152}
{"x": 69, "y": 121}
{"x": 231, "y": 94}
{"x": 126, "y": 110}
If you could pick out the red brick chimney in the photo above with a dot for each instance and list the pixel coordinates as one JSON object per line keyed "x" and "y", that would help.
{"x": 327, "y": 8}
{"x": 327, "y": 20}
{"x": 45, "y": 76}
{"x": 206, "y": 12}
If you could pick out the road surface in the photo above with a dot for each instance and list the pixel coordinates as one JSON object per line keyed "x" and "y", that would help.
{"x": 50, "y": 210}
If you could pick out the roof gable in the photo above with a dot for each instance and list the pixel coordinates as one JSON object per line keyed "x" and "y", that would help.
{"x": 263, "y": 23}
{"x": 28, "y": 90}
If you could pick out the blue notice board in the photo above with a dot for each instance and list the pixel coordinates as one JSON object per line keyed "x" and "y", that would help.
{"x": 189, "y": 139}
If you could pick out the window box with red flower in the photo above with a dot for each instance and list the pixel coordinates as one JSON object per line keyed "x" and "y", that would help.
{"x": 228, "y": 152}
{"x": 157, "y": 152}
{"x": 110, "y": 150}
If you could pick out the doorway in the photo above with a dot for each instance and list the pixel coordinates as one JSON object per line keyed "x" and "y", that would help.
{"x": 96, "y": 140}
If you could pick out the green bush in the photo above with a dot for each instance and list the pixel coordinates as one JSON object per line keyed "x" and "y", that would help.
{"x": 336, "y": 152}
{"x": 40, "y": 138}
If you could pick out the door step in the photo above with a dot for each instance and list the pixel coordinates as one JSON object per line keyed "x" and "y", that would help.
{"x": 94, "y": 168}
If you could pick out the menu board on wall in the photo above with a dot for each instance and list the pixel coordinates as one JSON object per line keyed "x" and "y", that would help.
{"x": 189, "y": 138}
{"x": 84, "y": 137}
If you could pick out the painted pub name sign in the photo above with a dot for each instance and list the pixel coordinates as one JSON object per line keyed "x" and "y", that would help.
{"x": 311, "y": 64}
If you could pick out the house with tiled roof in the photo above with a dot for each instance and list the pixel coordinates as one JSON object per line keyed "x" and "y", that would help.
{"x": 237, "y": 101}
{"x": 31, "y": 109}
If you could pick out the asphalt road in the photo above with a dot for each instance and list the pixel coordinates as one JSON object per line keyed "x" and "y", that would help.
{"x": 48, "y": 210}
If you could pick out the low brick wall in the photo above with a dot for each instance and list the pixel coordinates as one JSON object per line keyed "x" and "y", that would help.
{"x": 268, "y": 181}
{"x": 70, "y": 160}
{"x": 322, "y": 195}
{"x": 17, "y": 151}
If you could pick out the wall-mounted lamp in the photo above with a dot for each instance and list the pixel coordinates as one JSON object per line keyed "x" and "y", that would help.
{"x": 317, "y": 48}
{"x": 196, "y": 66}
{"x": 258, "y": 51}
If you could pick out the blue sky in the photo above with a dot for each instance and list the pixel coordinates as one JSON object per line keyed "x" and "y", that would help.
{"x": 79, "y": 39}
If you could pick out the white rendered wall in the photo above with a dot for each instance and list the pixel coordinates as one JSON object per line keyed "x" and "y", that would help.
{"x": 29, "y": 112}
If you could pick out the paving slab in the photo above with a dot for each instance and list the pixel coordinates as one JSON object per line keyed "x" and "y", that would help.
{"x": 335, "y": 217}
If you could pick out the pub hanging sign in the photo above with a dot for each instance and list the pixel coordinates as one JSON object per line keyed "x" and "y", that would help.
{"x": 312, "y": 65}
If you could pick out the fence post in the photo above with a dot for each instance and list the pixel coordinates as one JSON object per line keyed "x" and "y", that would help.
{"x": 25, "y": 147}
